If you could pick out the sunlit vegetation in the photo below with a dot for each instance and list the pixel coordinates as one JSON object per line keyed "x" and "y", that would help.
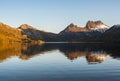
{"x": 8, "y": 34}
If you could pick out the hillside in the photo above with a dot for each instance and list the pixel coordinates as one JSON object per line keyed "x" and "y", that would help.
{"x": 9, "y": 34}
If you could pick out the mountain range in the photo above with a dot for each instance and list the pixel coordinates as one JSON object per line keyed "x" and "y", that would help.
{"x": 94, "y": 31}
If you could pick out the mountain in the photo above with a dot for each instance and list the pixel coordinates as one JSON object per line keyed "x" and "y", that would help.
{"x": 90, "y": 26}
{"x": 96, "y": 25}
{"x": 30, "y": 32}
{"x": 35, "y": 34}
{"x": 92, "y": 30}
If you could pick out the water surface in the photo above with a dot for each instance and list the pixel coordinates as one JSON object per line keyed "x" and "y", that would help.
{"x": 60, "y": 62}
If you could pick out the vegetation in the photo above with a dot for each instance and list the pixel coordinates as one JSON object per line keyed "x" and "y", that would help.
{"x": 9, "y": 34}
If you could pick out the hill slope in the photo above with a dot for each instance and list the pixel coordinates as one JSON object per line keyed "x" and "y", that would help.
{"x": 9, "y": 34}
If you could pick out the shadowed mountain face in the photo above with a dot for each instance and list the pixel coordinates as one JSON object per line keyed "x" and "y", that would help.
{"x": 36, "y": 34}
{"x": 94, "y": 53}
{"x": 112, "y": 34}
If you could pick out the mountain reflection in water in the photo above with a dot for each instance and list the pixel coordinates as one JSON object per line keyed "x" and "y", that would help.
{"x": 94, "y": 53}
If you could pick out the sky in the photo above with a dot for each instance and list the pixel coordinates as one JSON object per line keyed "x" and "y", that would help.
{"x": 55, "y": 15}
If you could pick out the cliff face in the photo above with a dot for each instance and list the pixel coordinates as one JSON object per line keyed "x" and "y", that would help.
{"x": 74, "y": 28}
{"x": 96, "y": 25}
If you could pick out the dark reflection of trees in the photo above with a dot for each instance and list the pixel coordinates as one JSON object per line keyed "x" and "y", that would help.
{"x": 94, "y": 53}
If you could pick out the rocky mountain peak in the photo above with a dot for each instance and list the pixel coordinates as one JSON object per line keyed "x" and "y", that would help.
{"x": 26, "y": 26}
{"x": 95, "y": 25}
{"x": 71, "y": 25}
{"x": 74, "y": 28}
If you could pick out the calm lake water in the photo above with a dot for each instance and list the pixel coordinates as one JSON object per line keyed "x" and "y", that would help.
{"x": 60, "y": 62}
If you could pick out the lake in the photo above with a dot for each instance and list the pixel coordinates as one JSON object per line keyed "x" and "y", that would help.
{"x": 60, "y": 62}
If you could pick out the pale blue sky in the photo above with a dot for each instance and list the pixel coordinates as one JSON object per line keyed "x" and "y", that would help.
{"x": 55, "y": 15}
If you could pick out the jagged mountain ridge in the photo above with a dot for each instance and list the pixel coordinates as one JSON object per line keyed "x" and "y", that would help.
{"x": 90, "y": 26}
{"x": 96, "y": 25}
{"x": 92, "y": 30}
{"x": 74, "y": 28}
